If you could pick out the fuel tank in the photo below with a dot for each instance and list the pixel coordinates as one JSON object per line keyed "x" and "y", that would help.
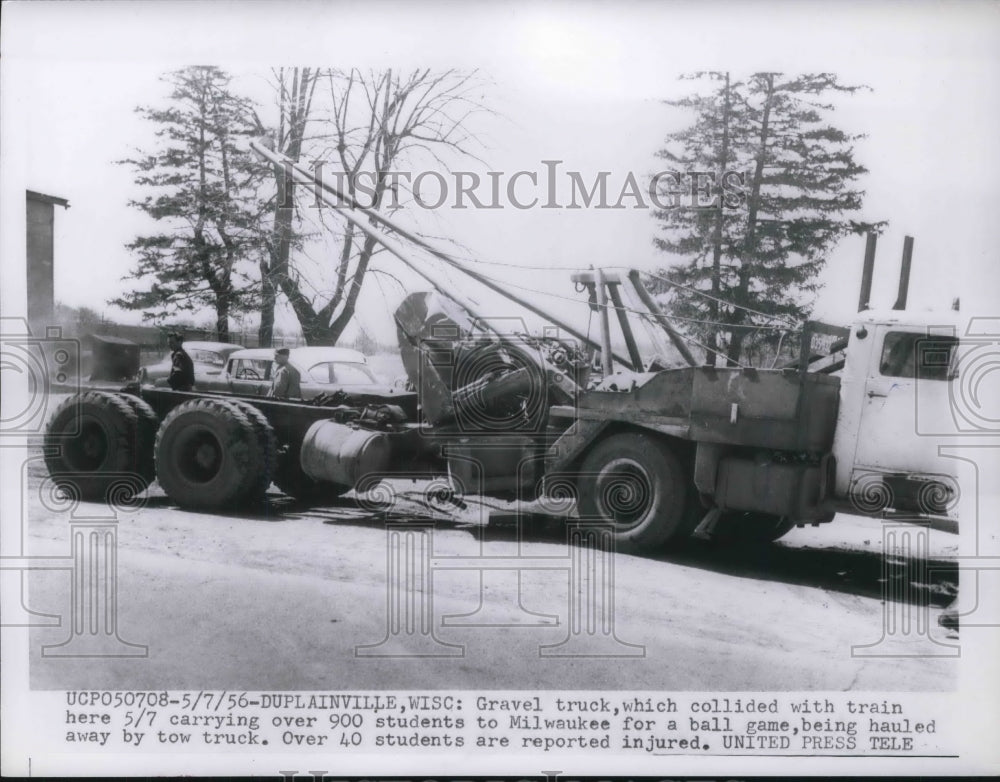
{"x": 339, "y": 454}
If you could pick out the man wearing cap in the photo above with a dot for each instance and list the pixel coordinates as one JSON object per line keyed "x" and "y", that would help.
{"x": 181, "y": 377}
{"x": 286, "y": 383}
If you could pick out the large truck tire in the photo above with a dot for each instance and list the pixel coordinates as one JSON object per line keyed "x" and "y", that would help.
{"x": 635, "y": 481}
{"x": 147, "y": 423}
{"x": 95, "y": 445}
{"x": 749, "y": 528}
{"x": 267, "y": 442}
{"x": 208, "y": 455}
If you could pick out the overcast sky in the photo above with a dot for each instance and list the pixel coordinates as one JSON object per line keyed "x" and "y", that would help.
{"x": 579, "y": 83}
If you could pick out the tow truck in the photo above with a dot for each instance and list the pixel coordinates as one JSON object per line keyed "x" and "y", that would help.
{"x": 736, "y": 453}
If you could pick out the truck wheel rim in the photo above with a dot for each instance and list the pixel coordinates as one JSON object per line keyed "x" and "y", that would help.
{"x": 199, "y": 456}
{"x": 624, "y": 493}
{"x": 88, "y": 451}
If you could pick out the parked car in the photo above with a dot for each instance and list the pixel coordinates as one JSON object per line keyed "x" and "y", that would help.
{"x": 209, "y": 362}
{"x": 323, "y": 371}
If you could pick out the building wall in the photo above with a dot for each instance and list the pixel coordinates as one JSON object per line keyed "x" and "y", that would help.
{"x": 41, "y": 291}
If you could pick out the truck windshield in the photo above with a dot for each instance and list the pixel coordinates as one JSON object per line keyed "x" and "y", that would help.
{"x": 910, "y": 355}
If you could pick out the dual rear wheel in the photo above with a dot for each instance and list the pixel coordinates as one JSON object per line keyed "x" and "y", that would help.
{"x": 214, "y": 454}
{"x": 99, "y": 444}
{"x": 209, "y": 454}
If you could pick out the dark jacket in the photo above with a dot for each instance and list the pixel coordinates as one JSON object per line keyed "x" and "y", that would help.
{"x": 181, "y": 377}
{"x": 286, "y": 383}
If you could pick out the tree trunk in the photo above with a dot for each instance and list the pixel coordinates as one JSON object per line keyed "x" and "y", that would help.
{"x": 268, "y": 294}
{"x": 222, "y": 318}
{"x": 738, "y": 334}
{"x": 351, "y": 301}
{"x": 712, "y": 352}
{"x": 274, "y": 270}
{"x": 317, "y": 331}
{"x": 750, "y": 240}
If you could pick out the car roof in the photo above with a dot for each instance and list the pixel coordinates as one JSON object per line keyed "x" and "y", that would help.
{"x": 315, "y": 354}
{"x": 219, "y": 346}
{"x": 917, "y": 318}
{"x": 306, "y": 355}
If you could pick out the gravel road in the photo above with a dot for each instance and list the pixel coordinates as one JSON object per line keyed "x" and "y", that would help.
{"x": 282, "y": 600}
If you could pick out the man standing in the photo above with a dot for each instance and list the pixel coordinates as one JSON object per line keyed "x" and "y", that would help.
{"x": 286, "y": 383}
{"x": 181, "y": 377}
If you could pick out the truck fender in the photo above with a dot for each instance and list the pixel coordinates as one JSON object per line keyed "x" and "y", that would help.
{"x": 581, "y": 435}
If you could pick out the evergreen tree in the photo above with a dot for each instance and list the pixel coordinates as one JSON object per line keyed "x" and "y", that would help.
{"x": 202, "y": 185}
{"x": 750, "y": 259}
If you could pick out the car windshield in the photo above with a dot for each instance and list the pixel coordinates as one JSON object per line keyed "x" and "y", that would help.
{"x": 250, "y": 368}
{"x": 341, "y": 373}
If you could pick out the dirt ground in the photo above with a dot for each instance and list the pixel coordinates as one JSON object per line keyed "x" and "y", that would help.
{"x": 284, "y": 598}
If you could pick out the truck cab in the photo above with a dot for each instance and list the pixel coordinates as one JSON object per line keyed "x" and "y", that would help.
{"x": 898, "y": 372}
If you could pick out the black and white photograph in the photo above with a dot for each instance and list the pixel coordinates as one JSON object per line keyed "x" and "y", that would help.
{"x": 528, "y": 389}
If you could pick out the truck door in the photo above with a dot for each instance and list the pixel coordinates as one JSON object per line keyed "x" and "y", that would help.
{"x": 907, "y": 368}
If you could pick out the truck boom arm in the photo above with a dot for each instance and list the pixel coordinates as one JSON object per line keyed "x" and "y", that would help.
{"x": 343, "y": 202}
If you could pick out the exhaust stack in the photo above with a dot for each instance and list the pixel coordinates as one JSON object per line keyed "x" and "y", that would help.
{"x": 866, "y": 273}
{"x": 904, "y": 274}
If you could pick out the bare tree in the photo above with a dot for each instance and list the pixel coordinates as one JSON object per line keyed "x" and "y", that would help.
{"x": 295, "y": 89}
{"x": 378, "y": 122}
